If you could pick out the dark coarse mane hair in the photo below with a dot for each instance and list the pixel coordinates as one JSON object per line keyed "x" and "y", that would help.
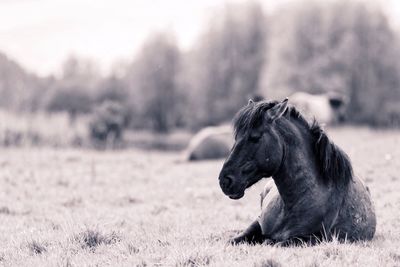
{"x": 334, "y": 164}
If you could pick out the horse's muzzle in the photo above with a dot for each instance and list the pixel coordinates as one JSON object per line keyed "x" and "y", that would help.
{"x": 230, "y": 186}
{"x": 226, "y": 182}
{"x": 236, "y": 196}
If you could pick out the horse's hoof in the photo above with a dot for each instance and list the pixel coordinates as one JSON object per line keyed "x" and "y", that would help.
{"x": 235, "y": 241}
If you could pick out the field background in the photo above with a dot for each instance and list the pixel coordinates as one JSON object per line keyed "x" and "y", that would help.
{"x": 72, "y": 207}
{"x": 99, "y": 99}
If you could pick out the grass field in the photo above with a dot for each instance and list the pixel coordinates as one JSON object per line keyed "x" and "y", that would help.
{"x": 137, "y": 208}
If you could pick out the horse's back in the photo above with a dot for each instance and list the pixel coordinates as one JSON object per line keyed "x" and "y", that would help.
{"x": 356, "y": 219}
{"x": 313, "y": 106}
{"x": 210, "y": 143}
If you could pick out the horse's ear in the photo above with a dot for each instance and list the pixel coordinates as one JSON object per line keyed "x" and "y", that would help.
{"x": 251, "y": 102}
{"x": 278, "y": 110}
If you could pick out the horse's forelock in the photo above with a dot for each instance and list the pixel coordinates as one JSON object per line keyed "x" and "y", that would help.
{"x": 251, "y": 116}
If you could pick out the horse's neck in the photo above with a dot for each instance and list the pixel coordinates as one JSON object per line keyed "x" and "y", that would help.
{"x": 299, "y": 171}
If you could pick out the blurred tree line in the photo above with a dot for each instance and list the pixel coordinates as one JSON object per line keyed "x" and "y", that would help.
{"x": 315, "y": 47}
{"x": 342, "y": 46}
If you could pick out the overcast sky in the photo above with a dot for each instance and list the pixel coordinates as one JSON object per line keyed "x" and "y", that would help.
{"x": 40, "y": 34}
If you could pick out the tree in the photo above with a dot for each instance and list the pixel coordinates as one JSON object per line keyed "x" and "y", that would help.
{"x": 153, "y": 82}
{"x": 19, "y": 89}
{"x": 335, "y": 46}
{"x": 73, "y": 92}
{"x": 80, "y": 71}
{"x": 113, "y": 89}
{"x": 228, "y": 62}
{"x": 73, "y": 100}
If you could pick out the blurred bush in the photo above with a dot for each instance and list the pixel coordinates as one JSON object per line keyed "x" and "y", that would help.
{"x": 112, "y": 89}
{"x": 70, "y": 99}
{"x": 74, "y": 91}
{"x": 107, "y": 124}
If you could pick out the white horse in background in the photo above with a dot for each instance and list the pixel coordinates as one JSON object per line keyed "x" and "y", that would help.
{"x": 325, "y": 108}
{"x": 210, "y": 143}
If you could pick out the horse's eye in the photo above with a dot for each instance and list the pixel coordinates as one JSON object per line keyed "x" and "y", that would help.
{"x": 254, "y": 137}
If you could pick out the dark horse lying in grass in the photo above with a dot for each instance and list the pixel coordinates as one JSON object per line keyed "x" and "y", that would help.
{"x": 314, "y": 195}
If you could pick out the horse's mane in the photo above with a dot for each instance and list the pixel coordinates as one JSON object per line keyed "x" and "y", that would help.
{"x": 334, "y": 164}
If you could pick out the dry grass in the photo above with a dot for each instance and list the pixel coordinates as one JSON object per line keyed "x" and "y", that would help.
{"x": 134, "y": 208}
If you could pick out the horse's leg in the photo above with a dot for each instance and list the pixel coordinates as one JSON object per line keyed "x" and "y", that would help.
{"x": 252, "y": 234}
{"x": 267, "y": 188}
{"x": 281, "y": 226}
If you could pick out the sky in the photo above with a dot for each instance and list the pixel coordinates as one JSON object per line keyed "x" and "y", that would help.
{"x": 41, "y": 34}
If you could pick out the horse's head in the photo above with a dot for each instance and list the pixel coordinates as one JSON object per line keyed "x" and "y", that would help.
{"x": 338, "y": 103}
{"x": 258, "y": 149}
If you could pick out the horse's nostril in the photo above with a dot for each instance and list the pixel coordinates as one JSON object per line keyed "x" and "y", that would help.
{"x": 228, "y": 181}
